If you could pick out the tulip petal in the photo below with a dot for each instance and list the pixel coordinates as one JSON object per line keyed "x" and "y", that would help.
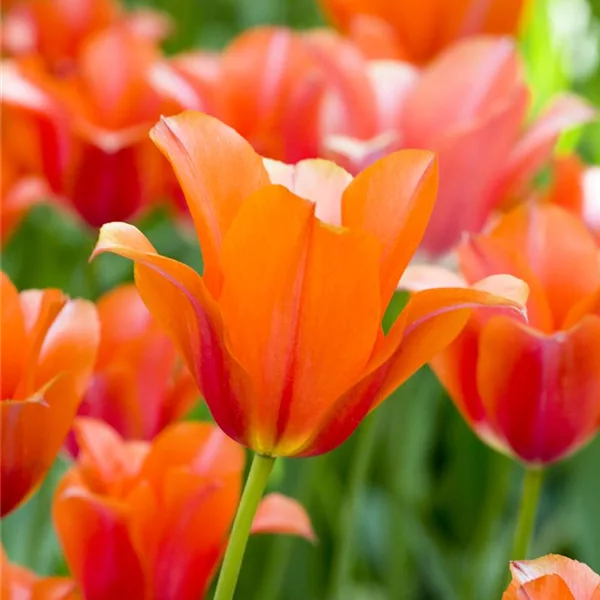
{"x": 578, "y": 577}
{"x": 392, "y": 200}
{"x": 535, "y": 146}
{"x": 95, "y": 540}
{"x": 552, "y": 240}
{"x": 54, "y": 588}
{"x": 543, "y": 588}
{"x": 13, "y": 338}
{"x": 178, "y": 299}
{"x": 280, "y": 514}
{"x": 287, "y": 332}
{"x": 521, "y": 371}
{"x": 203, "y": 153}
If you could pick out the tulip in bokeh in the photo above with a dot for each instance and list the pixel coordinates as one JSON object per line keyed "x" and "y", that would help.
{"x": 487, "y": 156}
{"x": 418, "y": 32}
{"x": 18, "y": 583}
{"x": 552, "y": 577}
{"x": 48, "y": 349}
{"x": 141, "y": 520}
{"x": 530, "y": 390}
{"x": 283, "y": 331}
{"x": 139, "y": 384}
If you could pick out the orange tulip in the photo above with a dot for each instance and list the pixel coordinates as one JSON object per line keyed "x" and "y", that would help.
{"x": 139, "y": 384}
{"x": 418, "y": 33}
{"x": 487, "y": 157}
{"x": 57, "y": 30}
{"x": 552, "y": 577}
{"x": 577, "y": 188}
{"x": 283, "y": 331}
{"x": 139, "y": 520}
{"x": 531, "y": 390}
{"x": 48, "y": 351}
{"x": 18, "y": 583}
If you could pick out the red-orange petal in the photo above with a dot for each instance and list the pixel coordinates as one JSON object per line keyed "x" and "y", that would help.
{"x": 280, "y": 514}
{"x": 529, "y": 383}
{"x": 393, "y": 200}
{"x": 204, "y": 153}
{"x": 178, "y": 299}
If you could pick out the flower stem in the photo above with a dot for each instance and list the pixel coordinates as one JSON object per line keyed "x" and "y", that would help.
{"x": 530, "y": 497}
{"x": 344, "y": 553}
{"x": 255, "y": 486}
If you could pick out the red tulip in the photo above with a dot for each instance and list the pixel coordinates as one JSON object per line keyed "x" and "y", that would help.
{"x": 487, "y": 157}
{"x": 18, "y": 583}
{"x": 139, "y": 520}
{"x": 48, "y": 350}
{"x": 419, "y": 32}
{"x": 552, "y": 577}
{"x": 139, "y": 384}
{"x": 283, "y": 330}
{"x": 531, "y": 390}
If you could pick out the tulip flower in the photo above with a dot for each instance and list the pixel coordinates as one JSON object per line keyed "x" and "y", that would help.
{"x": 487, "y": 157}
{"x": 19, "y": 583}
{"x": 418, "y": 33}
{"x": 139, "y": 384}
{"x": 56, "y": 30}
{"x": 142, "y": 520}
{"x": 48, "y": 350}
{"x": 552, "y": 577}
{"x": 297, "y": 244}
{"x": 576, "y": 188}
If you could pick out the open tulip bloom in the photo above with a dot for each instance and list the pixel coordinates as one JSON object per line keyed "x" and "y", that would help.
{"x": 283, "y": 331}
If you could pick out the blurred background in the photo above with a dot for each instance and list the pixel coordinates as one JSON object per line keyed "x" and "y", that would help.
{"x": 437, "y": 513}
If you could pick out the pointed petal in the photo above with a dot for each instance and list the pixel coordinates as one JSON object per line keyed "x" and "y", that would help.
{"x": 523, "y": 372}
{"x": 94, "y": 536}
{"x": 280, "y": 514}
{"x": 392, "y": 200}
{"x": 203, "y": 153}
{"x": 534, "y": 148}
{"x": 547, "y": 586}
{"x": 178, "y": 299}
{"x": 13, "y": 339}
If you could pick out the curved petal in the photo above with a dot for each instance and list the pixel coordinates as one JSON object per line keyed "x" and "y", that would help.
{"x": 529, "y": 383}
{"x": 552, "y": 240}
{"x": 292, "y": 333}
{"x": 429, "y": 322}
{"x": 55, "y": 588}
{"x": 204, "y": 153}
{"x": 178, "y": 299}
{"x": 542, "y": 588}
{"x": 280, "y": 514}
{"x": 94, "y": 536}
{"x": 535, "y": 146}
{"x": 580, "y": 579}
{"x": 13, "y": 338}
{"x": 393, "y": 200}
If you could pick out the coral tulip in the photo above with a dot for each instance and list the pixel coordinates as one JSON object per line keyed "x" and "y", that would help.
{"x": 56, "y": 30}
{"x": 552, "y": 577}
{"x": 487, "y": 158}
{"x": 19, "y": 583}
{"x": 283, "y": 330}
{"x": 139, "y": 384}
{"x": 531, "y": 390}
{"x": 418, "y": 33}
{"x": 49, "y": 346}
{"x": 139, "y": 520}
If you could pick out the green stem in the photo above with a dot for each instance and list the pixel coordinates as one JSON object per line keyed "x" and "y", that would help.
{"x": 253, "y": 491}
{"x": 344, "y": 552}
{"x": 530, "y": 497}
